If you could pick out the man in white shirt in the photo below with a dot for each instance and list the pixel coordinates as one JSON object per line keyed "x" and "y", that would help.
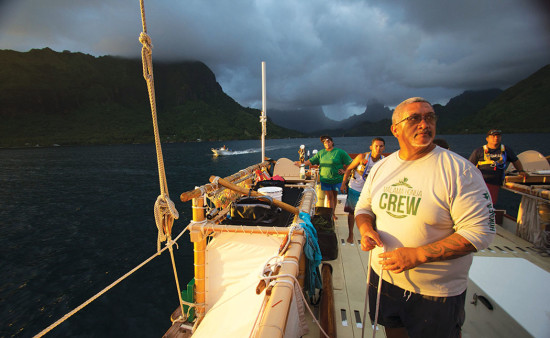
{"x": 356, "y": 173}
{"x": 423, "y": 211}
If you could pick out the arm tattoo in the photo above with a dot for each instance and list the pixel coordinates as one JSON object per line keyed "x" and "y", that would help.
{"x": 451, "y": 247}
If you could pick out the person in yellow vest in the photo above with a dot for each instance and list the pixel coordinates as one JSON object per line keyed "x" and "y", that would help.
{"x": 492, "y": 160}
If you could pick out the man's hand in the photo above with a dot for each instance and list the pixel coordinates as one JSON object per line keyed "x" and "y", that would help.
{"x": 523, "y": 173}
{"x": 343, "y": 188}
{"x": 369, "y": 236}
{"x": 370, "y": 239}
{"x": 400, "y": 259}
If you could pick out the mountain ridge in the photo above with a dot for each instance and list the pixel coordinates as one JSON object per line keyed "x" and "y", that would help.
{"x": 49, "y": 97}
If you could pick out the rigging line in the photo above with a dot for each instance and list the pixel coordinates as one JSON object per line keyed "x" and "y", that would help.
{"x": 379, "y": 290}
{"x": 365, "y": 314}
{"x": 110, "y": 286}
{"x": 147, "y": 61}
{"x": 164, "y": 209}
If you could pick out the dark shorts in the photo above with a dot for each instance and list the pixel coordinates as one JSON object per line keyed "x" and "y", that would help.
{"x": 421, "y": 316}
{"x": 330, "y": 187}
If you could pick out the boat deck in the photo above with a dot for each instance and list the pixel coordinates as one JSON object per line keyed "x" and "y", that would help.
{"x": 349, "y": 277}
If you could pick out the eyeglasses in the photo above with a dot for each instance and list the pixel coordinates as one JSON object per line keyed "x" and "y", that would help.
{"x": 416, "y": 118}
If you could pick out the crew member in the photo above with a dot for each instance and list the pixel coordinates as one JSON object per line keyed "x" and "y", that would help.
{"x": 332, "y": 163}
{"x": 492, "y": 159}
{"x": 423, "y": 211}
{"x": 358, "y": 170}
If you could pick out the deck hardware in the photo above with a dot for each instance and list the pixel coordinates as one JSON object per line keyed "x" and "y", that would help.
{"x": 358, "y": 321}
{"x": 483, "y": 300}
{"x": 344, "y": 317}
{"x": 503, "y": 251}
{"x": 532, "y": 249}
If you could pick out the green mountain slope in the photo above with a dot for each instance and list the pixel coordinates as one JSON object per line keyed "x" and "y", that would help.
{"x": 521, "y": 108}
{"x": 49, "y": 98}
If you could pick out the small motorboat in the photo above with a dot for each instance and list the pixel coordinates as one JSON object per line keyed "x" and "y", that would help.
{"x": 221, "y": 151}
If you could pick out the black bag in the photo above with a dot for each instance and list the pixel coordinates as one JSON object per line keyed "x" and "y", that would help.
{"x": 328, "y": 241}
{"x": 254, "y": 211}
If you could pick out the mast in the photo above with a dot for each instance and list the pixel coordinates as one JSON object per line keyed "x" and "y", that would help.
{"x": 263, "y": 118}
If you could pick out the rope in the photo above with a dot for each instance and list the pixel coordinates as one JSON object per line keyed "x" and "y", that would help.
{"x": 375, "y": 325}
{"x": 366, "y": 296}
{"x": 380, "y": 279}
{"x": 110, "y": 286}
{"x": 165, "y": 212}
{"x": 164, "y": 209}
{"x": 263, "y": 121}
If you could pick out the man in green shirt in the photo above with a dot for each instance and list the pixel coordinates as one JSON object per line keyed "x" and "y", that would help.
{"x": 332, "y": 164}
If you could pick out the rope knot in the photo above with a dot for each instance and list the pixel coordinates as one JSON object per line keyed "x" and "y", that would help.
{"x": 165, "y": 213}
{"x": 146, "y": 42}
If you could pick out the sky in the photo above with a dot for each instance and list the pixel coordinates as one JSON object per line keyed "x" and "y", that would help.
{"x": 334, "y": 54}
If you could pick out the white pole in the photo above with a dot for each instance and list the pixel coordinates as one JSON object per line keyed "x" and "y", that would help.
{"x": 263, "y": 118}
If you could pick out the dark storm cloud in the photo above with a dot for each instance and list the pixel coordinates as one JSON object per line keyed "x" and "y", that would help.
{"x": 334, "y": 54}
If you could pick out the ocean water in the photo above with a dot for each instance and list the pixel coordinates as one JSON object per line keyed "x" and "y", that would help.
{"x": 74, "y": 219}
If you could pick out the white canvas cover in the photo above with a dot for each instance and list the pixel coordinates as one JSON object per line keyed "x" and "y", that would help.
{"x": 519, "y": 287}
{"x": 286, "y": 168}
{"x": 531, "y": 160}
{"x": 234, "y": 262}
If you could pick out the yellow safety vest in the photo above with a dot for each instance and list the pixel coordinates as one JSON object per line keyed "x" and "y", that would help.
{"x": 487, "y": 157}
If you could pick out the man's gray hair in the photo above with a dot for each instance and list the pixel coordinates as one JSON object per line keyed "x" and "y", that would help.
{"x": 397, "y": 111}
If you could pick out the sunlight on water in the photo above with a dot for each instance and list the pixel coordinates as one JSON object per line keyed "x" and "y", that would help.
{"x": 256, "y": 150}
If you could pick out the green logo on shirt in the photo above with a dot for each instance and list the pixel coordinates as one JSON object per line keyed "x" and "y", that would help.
{"x": 400, "y": 199}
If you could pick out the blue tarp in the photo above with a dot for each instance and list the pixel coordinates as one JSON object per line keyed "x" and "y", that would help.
{"x": 313, "y": 255}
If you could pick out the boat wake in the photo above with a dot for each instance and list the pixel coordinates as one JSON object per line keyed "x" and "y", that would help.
{"x": 254, "y": 150}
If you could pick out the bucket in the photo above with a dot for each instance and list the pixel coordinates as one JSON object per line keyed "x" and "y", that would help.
{"x": 274, "y": 192}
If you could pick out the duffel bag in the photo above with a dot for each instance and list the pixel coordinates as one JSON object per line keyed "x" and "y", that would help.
{"x": 254, "y": 211}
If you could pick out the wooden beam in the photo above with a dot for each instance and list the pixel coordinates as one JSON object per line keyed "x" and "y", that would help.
{"x": 326, "y": 308}
{"x": 243, "y": 191}
{"x": 189, "y": 195}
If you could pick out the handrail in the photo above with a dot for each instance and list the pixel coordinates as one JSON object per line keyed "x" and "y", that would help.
{"x": 530, "y": 191}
